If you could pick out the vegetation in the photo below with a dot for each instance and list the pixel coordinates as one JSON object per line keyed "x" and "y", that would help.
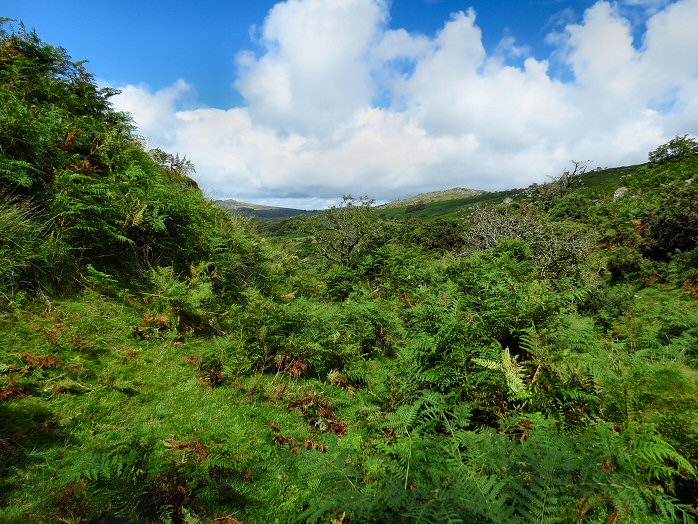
{"x": 433, "y": 196}
{"x": 678, "y": 147}
{"x": 259, "y": 211}
{"x": 529, "y": 361}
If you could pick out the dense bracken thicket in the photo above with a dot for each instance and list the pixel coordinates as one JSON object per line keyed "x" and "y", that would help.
{"x": 82, "y": 197}
{"x": 537, "y": 362}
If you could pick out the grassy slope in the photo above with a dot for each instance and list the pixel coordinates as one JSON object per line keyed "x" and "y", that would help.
{"x": 433, "y": 196}
{"x": 108, "y": 389}
{"x": 461, "y": 208}
{"x": 258, "y": 210}
{"x": 455, "y": 209}
{"x": 232, "y": 205}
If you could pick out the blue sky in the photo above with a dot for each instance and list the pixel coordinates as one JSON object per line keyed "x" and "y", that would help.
{"x": 156, "y": 42}
{"x": 302, "y": 101}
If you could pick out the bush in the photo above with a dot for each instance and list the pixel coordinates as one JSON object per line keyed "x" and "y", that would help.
{"x": 342, "y": 281}
{"x": 558, "y": 248}
{"x": 626, "y": 264}
{"x": 608, "y": 303}
{"x": 673, "y": 226}
{"x": 439, "y": 235}
{"x": 575, "y": 205}
{"x": 185, "y": 304}
{"x": 678, "y": 147}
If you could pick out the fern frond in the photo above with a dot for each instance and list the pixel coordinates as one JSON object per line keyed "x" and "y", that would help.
{"x": 488, "y": 363}
{"x": 403, "y": 418}
{"x": 17, "y": 172}
{"x": 513, "y": 372}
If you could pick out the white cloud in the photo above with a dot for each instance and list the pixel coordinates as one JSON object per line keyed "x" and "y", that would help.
{"x": 153, "y": 113}
{"x": 338, "y": 102}
{"x": 315, "y": 71}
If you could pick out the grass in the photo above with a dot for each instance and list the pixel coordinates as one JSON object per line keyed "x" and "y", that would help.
{"x": 455, "y": 209}
{"x": 595, "y": 184}
{"x": 433, "y": 196}
{"x": 103, "y": 393}
{"x": 598, "y": 182}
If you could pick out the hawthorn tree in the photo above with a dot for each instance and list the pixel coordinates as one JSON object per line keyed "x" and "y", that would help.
{"x": 677, "y": 147}
{"x": 570, "y": 179}
{"x": 342, "y": 231}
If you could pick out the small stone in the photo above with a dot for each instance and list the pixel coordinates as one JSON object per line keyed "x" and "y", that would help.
{"x": 507, "y": 200}
{"x": 620, "y": 193}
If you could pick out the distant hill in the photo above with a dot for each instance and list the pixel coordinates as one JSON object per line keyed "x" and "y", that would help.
{"x": 257, "y": 210}
{"x": 460, "y": 206}
{"x": 433, "y": 196}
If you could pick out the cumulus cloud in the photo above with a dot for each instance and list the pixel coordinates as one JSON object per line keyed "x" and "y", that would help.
{"x": 154, "y": 112}
{"x": 314, "y": 72}
{"x": 339, "y": 102}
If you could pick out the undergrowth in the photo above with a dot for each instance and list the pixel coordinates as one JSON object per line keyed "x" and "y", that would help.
{"x": 160, "y": 360}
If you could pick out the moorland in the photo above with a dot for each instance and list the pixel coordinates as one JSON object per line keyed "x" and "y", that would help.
{"x": 521, "y": 356}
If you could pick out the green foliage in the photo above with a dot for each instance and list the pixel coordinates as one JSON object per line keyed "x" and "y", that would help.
{"x": 677, "y": 147}
{"x": 560, "y": 187}
{"x": 16, "y": 173}
{"x": 559, "y": 248}
{"x": 608, "y": 303}
{"x": 103, "y": 282}
{"x": 341, "y": 281}
{"x": 513, "y": 372}
{"x": 574, "y": 205}
{"x": 437, "y": 235}
{"x": 159, "y": 359}
{"x": 104, "y": 202}
{"x": 185, "y": 303}
{"x": 21, "y": 252}
{"x": 344, "y": 231}
{"x": 528, "y": 472}
{"x": 673, "y": 226}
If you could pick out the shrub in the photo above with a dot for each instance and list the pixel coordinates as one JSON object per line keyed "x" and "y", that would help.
{"x": 342, "y": 232}
{"x": 551, "y": 192}
{"x": 186, "y": 304}
{"x": 341, "y": 281}
{"x": 439, "y": 235}
{"x": 558, "y": 248}
{"x": 677, "y": 147}
{"x": 575, "y": 205}
{"x": 674, "y": 225}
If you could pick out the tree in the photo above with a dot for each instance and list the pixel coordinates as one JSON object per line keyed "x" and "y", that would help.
{"x": 677, "y": 147}
{"x": 342, "y": 231}
{"x": 178, "y": 169}
{"x": 548, "y": 194}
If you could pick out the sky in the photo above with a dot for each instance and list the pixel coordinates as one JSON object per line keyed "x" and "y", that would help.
{"x": 299, "y": 102}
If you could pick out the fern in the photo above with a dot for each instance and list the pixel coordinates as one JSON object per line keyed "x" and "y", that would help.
{"x": 17, "y": 173}
{"x": 404, "y": 418}
{"x": 513, "y": 372}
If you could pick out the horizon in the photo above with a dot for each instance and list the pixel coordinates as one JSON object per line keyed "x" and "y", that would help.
{"x": 300, "y": 102}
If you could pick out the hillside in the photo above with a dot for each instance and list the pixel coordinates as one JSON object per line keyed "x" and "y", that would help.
{"x": 458, "y": 208}
{"x": 259, "y": 211}
{"x": 433, "y": 196}
{"x": 469, "y": 361}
